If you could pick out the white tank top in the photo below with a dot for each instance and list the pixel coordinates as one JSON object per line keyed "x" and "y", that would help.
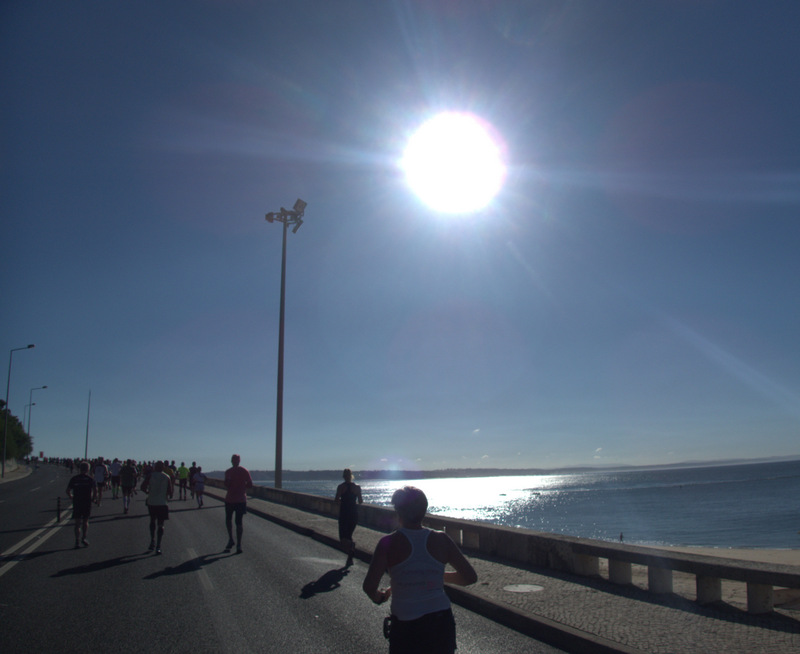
{"x": 418, "y": 582}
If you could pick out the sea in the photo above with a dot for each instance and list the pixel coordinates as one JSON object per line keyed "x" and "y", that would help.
{"x": 754, "y": 505}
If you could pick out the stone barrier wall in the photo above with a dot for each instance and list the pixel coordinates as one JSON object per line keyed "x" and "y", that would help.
{"x": 579, "y": 556}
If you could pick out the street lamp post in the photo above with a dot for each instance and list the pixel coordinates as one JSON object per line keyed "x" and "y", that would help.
{"x": 287, "y": 217}
{"x": 8, "y": 387}
{"x": 31, "y": 404}
{"x": 25, "y": 414}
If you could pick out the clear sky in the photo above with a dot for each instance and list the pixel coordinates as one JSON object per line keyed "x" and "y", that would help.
{"x": 629, "y": 296}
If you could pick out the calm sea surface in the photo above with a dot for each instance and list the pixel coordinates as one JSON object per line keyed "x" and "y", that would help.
{"x": 753, "y": 505}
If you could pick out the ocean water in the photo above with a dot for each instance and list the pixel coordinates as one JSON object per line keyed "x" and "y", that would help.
{"x": 742, "y": 506}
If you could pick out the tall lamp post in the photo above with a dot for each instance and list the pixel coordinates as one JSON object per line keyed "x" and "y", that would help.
{"x": 288, "y": 217}
{"x": 31, "y": 403}
{"x": 25, "y": 413}
{"x": 8, "y": 387}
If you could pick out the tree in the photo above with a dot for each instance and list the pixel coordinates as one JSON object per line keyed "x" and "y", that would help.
{"x": 18, "y": 441}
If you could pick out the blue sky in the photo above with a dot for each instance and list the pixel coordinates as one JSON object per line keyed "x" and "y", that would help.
{"x": 630, "y": 296}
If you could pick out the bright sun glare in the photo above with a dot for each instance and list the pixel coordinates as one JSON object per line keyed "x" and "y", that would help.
{"x": 453, "y": 163}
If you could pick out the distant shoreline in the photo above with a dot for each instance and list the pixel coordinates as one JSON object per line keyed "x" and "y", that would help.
{"x": 449, "y": 473}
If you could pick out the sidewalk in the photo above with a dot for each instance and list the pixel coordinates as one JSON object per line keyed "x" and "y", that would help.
{"x": 18, "y": 472}
{"x": 579, "y": 614}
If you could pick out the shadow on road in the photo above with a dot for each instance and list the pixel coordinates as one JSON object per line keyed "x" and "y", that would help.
{"x": 326, "y": 583}
{"x": 96, "y": 566}
{"x": 192, "y": 565}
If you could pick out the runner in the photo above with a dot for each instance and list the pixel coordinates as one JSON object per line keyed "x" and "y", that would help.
{"x": 192, "y": 471}
{"x": 237, "y": 481}
{"x": 82, "y": 490}
{"x": 183, "y": 480}
{"x": 114, "y": 469}
{"x": 199, "y": 485}
{"x": 128, "y": 477}
{"x": 100, "y": 476}
{"x": 158, "y": 486}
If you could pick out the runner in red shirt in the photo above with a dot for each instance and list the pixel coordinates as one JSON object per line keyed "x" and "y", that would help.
{"x": 237, "y": 481}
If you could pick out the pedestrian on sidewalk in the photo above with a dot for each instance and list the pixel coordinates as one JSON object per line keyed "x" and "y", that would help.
{"x": 82, "y": 490}
{"x": 158, "y": 487}
{"x": 237, "y": 481}
{"x": 415, "y": 558}
{"x": 348, "y": 495}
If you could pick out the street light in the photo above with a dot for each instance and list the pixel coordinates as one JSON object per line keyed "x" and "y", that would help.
{"x": 8, "y": 386}
{"x": 287, "y": 217}
{"x": 31, "y": 404}
{"x": 25, "y": 413}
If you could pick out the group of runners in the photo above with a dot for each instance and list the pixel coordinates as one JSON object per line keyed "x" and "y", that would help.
{"x": 122, "y": 477}
{"x": 159, "y": 480}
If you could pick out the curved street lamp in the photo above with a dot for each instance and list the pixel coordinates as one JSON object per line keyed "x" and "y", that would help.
{"x": 287, "y": 217}
{"x": 8, "y": 387}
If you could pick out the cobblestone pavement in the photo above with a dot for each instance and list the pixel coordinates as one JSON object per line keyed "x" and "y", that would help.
{"x": 579, "y": 614}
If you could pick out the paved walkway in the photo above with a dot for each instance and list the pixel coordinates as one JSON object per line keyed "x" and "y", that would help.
{"x": 585, "y": 615}
{"x": 15, "y": 471}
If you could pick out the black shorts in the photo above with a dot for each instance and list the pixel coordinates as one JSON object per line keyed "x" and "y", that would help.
{"x": 437, "y": 631}
{"x": 159, "y": 512}
{"x": 183, "y": 482}
{"x": 81, "y": 510}
{"x": 115, "y": 481}
{"x": 240, "y": 508}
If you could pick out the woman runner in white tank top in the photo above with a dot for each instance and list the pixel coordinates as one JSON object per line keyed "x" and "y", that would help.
{"x": 415, "y": 558}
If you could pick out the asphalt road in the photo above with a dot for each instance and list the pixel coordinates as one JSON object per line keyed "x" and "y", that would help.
{"x": 284, "y": 593}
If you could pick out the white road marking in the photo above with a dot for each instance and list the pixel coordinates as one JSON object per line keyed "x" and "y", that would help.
{"x": 45, "y": 533}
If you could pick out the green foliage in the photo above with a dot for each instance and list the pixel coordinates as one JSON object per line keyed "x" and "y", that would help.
{"x": 18, "y": 441}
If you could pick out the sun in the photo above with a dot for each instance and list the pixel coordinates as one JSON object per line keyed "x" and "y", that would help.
{"x": 454, "y": 164}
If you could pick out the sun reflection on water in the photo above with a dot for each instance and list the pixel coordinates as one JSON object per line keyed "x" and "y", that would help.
{"x": 472, "y": 498}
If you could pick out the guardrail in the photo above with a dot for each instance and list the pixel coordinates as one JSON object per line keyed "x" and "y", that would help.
{"x": 580, "y": 556}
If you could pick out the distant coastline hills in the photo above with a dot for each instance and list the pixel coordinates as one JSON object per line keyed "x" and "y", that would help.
{"x": 320, "y": 475}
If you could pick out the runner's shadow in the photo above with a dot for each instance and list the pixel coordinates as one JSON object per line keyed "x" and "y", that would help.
{"x": 192, "y": 565}
{"x": 326, "y": 583}
{"x": 96, "y": 566}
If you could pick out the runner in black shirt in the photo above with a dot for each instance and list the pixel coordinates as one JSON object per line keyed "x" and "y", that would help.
{"x": 82, "y": 490}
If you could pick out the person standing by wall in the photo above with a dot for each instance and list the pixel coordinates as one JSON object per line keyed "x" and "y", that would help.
{"x": 348, "y": 495}
{"x": 237, "y": 481}
{"x": 415, "y": 558}
{"x": 82, "y": 490}
{"x": 158, "y": 487}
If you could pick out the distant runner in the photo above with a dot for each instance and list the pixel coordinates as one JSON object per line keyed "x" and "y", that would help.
{"x": 237, "y": 481}
{"x": 82, "y": 490}
{"x": 127, "y": 478}
{"x": 158, "y": 486}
